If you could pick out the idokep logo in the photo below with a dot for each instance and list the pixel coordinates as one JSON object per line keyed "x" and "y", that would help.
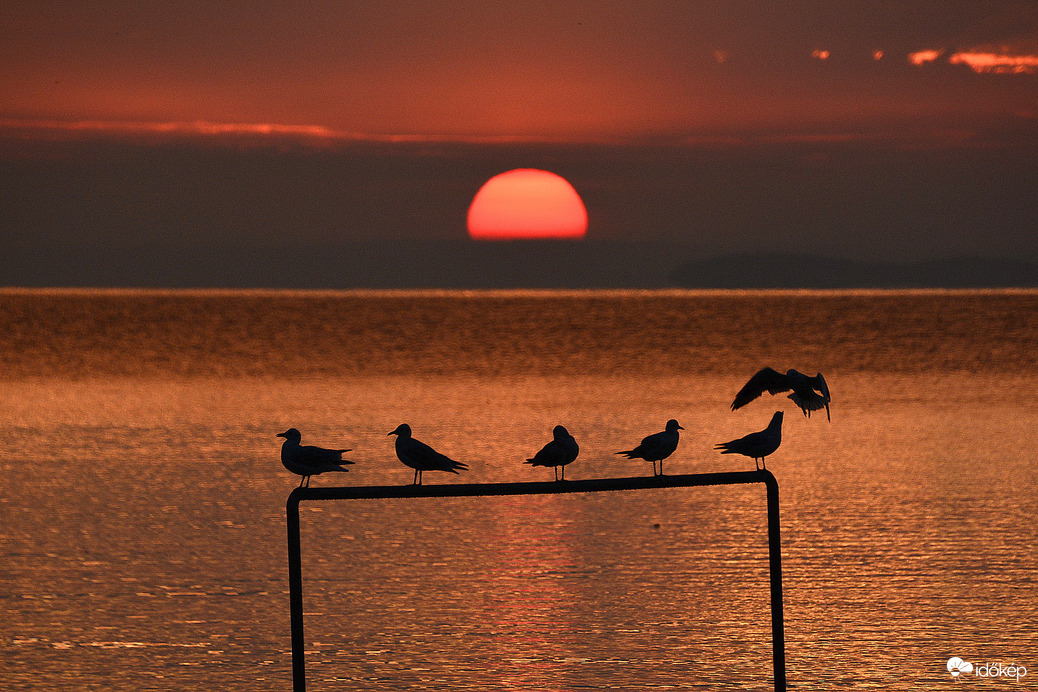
{"x": 957, "y": 667}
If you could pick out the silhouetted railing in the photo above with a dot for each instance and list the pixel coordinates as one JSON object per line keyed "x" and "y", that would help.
{"x": 380, "y": 492}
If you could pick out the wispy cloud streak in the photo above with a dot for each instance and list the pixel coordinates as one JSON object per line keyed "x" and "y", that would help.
{"x": 996, "y": 63}
{"x": 980, "y": 61}
{"x": 313, "y": 134}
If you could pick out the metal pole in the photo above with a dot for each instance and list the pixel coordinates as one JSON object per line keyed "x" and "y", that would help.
{"x": 295, "y": 576}
{"x": 295, "y": 593}
{"x": 778, "y": 628}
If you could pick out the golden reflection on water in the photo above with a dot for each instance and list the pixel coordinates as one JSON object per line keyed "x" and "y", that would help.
{"x": 142, "y": 516}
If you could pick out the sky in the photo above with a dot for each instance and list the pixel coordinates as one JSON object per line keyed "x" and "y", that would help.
{"x": 187, "y": 142}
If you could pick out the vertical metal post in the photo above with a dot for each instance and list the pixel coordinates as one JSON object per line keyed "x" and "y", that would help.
{"x": 778, "y": 628}
{"x": 295, "y": 574}
{"x": 295, "y": 593}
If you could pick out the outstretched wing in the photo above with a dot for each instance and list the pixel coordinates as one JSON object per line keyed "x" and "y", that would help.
{"x": 821, "y": 386}
{"x": 766, "y": 380}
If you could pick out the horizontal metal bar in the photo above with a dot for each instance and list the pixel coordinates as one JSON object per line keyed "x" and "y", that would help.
{"x": 591, "y": 485}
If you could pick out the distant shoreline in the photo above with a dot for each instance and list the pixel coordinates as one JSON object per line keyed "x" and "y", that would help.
{"x": 466, "y": 265}
{"x": 811, "y": 271}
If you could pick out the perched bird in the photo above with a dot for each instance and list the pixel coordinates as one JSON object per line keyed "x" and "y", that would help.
{"x": 759, "y": 444}
{"x": 560, "y": 451}
{"x": 420, "y": 456}
{"x": 657, "y": 447}
{"x": 309, "y": 461}
{"x": 809, "y": 393}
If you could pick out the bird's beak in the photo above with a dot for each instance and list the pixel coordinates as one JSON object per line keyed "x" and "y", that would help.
{"x": 680, "y": 428}
{"x": 284, "y": 434}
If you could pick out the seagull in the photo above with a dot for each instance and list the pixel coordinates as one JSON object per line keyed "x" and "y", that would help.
{"x": 759, "y": 444}
{"x": 657, "y": 447}
{"x": 420, "y": 456}
{"x": 560, "y": 451}
{"x": 309, "y": 461}
{"x": 809, "y": 393}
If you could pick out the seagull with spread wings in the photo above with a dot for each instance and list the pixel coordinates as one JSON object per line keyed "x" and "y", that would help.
{"x": 809, "y": 393}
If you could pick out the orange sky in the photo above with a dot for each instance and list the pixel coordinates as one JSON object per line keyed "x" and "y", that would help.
{"x": 575, "y": 70}
{"x": 140, "y": 141}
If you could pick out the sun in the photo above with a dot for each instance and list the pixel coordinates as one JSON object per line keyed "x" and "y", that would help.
{"x": 525, "y": 204}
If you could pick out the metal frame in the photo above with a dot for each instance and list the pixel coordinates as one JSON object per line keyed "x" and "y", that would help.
{"x": 374, "y": 492}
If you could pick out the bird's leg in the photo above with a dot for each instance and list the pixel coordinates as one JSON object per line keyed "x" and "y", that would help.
{"x": 661, "y": 467}
{"x": 301, "y": 482}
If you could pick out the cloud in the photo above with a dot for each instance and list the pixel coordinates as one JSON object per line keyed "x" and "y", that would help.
{"x": 314, "y": 135}
{"x": 924, "y": 56}
{"x": 996, "y": 63}
{"x": 504, "y": 72}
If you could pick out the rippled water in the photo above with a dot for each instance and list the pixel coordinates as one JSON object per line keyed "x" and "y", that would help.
{"x": 142, "y": 524}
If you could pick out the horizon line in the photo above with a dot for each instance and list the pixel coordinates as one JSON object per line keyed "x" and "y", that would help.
{"x": 505, "y": 292}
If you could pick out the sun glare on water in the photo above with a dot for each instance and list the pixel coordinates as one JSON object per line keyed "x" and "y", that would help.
{"x": 525, "y": 204}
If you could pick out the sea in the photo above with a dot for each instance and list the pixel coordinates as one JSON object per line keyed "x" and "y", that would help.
{"x": 142, "y": 498}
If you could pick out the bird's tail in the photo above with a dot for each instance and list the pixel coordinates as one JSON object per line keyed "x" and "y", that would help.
{"x": 628, "y": 453}
{"x": 725, "y": 449}
{"x": 814, "y": 402}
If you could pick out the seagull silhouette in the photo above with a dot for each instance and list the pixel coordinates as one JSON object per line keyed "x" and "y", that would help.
{"x": 759, "y": 444}
{"x": 420, "y": 456}
{"x": 809, "y": 393}
{"x": 560, "y": 451}
{"x": 657, "y": 447}
{"x": 309, "y": 461}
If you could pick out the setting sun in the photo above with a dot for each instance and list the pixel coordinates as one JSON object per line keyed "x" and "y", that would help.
{"x": 524, "y": 204}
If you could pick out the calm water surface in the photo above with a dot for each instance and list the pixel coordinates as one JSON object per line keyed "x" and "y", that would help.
{"x": 142, "y": 525}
